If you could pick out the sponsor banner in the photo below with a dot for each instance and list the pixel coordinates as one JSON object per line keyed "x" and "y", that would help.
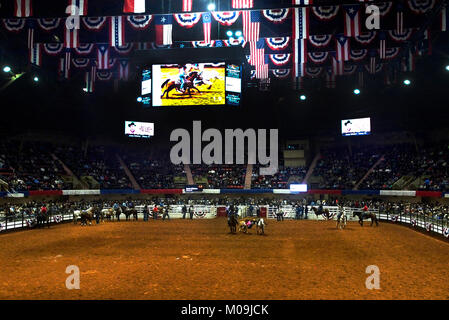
{"x": 215, "y": 191}
{"x": 434, "y": 194}
{"x": 162, "y": 191}
{"x": 46, "y": 193}
{"x": 14, "y": 195}
{"x": 361, "y": 192}
{"x": 399, "y": 193}
{"x": 80, "y": 192}
{"x": 119, "y": 191}
{"x": 281, "y": 191}
{"x": 324, "y": 192}
{"x": 246, "y": 190}
{"x": 446, "y": 195}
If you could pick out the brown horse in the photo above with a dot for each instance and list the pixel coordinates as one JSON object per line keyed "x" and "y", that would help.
{"x": 233, "y": 223}
{"x": 170, "y": 84}
{"x": 367, "y": 215}
{"x": 325, "y": 213}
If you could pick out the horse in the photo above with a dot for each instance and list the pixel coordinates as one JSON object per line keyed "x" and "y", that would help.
{"x": 128, "y": 212}
{"x": 206, "y": 79}
{"x": 232, "y": 223}
{"x": 171, "y": 84}
{"x": 260, "y": 226}
{"x": 87, "y": 216}
{"x": 42, "y": 218}
{"x": 108, "y": 213}
{"x": 341, "y": 222}
{"x": 325, "y": 213}
{"x": 363, "y": 216}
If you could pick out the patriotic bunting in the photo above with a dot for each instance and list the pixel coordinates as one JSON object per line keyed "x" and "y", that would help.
{"x": 227, "y": 18}
{"x": 94, "y": 23}
{"x": 278, "y": 44}
{"x": 139, "y": 22}
{"x": 276, "y": 15}
{"x": 188, "y": 20}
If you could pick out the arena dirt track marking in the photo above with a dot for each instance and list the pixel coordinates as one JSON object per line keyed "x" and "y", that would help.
{"x": 183, "y": 259}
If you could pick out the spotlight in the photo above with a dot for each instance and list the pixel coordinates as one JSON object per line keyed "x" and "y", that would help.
{"x": 356, "y": 91}
{"x": 36, "y": 79}
{"x": 7, "y": 69}
{"x": 211, "y": 6}
{"x": 447, "y": 67}
{"x": 139, "y": 99}
{"x": 85, "y": 89}
{"x": 303, "y": 97}
{"x": 229, "y": 33}
{"x": 238, "y": 33}
{"x": 407, "y": 82}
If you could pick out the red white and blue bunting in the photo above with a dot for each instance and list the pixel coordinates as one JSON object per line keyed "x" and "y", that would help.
{"x": 14, "y": 25}
{"x": 123, "y": 50}
{"x": 53, "y": 48}
{"x": 428, "y": 227}
{"x": 84, "y": 49}
{"x": 202, "y": 44}
{"x": 226, "y": 18}
{"x": 81, "y": 62}
{"x": 48, "y": 24}
{"x": 350, "y": 70}
{"x": 357, "y": 55}
{"x": 234, "y": 42}
{"x": 366, "y": 37}
{"x": 280, "y": 59}
{"x": 421, "y": 6}
{"x": 94, "y": 23}
{"x": 446, "y": 232}
{"x": 278, "y": 44}
{"x": 187, "y": 20}
{"x": 276, "y": 15}
{"x": 281, "y": 73}
{"x": 399, "y": 37}
{"x": 326, "y": 12}
{"x": 320, "y": 40}
{"x": 313, "y": 72}
{"x": 384, "y": 8}
{"x": 391, "y": 53}
{"x": 104, "y": 75}
{"x": 318, "y": 57}
{"x": 140, "y": 22}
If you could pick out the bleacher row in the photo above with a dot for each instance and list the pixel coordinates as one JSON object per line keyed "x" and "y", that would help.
{"x": 397, "y": 193}
{"x": 37, "y": 166}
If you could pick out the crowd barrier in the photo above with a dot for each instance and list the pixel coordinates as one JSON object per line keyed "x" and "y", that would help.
{"x": 398, "y": 193}
{"x": 429, "y": 224}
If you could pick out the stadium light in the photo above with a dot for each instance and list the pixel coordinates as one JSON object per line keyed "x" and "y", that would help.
{"x": 238, "y": 33}
{"x": 7, "y": 69}
{"x": 303, "y": 97}
{"x": 407, "y": 82}
{"x": 211, "y": 6}
{"x": 229, "y": 33}
{"x": 447, "y": 68}
{"x": 85, "y": 89}
{"x": 357, "y": 91}
{"x": 36, "y": 79}
{"x": 139, "y": 99}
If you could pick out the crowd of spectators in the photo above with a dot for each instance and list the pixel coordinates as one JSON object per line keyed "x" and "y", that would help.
{"x": 221, "y": 176}
{"x": 280, "y": 180}
{"x": 151, "y": 172}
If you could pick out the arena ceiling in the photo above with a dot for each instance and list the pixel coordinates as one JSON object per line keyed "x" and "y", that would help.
{"x": 411, "y": 44}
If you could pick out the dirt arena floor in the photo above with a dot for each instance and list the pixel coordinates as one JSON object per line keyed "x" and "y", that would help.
{"x": 199, "y": 259}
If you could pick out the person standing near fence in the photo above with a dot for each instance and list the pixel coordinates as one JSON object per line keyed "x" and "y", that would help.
{"x": 155, "y": 211}
{"x": 191, "y": 212}
{"x": 184, "y": 211}
{"x": 145, "y": 212}
{"x": 165, "y": 212}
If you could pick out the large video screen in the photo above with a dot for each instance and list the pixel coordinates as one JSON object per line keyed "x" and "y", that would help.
{"x": 192, "y": 84}
{"x": 356, "y": 127}
{"x": 136, "y": 129}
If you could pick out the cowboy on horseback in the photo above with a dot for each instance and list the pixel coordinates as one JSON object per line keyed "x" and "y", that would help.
{"x": 182, "y": 79}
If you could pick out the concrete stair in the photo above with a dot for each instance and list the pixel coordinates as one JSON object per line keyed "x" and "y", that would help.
{"x": 311, "y": 168}
{"x": 189, "y": 175}
{"x": 369, "y": 172}
{"x": 128, "y": 173}
{"x": 248, "y": 175}
{"x": 77, "y": 183}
